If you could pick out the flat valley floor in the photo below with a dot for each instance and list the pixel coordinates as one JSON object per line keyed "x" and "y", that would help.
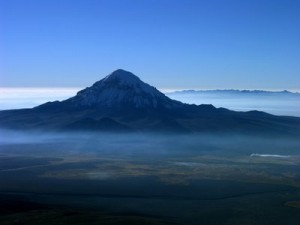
{"x": 148, "y": 179}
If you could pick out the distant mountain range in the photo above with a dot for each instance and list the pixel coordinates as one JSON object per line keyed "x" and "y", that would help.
{"x": 274, "y": 102}
{"x": 239, "y": 92}
{"x": 121, "y": 102}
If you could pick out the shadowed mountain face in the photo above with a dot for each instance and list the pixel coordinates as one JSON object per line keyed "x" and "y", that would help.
{"x": 122, "y": 102}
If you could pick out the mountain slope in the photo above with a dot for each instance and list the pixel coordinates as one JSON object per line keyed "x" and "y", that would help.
{"x": 121, "y": 101}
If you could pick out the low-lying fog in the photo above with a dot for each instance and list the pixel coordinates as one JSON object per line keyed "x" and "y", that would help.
{"x": 151, "y": 144}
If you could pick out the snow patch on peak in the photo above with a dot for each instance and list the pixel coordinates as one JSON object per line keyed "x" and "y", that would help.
{"x": 122, "y": 77}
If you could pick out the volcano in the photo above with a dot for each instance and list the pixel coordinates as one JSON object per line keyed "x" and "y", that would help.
{"x": 121, "y": 89}
{"x": 122, "y": 102}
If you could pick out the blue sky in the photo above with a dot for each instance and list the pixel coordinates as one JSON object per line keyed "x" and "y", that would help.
{"x": 241, "y": 44}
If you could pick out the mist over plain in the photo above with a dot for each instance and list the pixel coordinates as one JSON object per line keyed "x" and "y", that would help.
{"x": 145, "y": 144}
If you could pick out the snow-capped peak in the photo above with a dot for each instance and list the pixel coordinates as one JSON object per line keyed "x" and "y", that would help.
{"x": 122, "y": 77}
{"x": 121, "y": 89}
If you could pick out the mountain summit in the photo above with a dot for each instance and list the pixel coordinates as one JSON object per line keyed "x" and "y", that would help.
{"x": 121, "y": 89}
{"x": 122, "y": 102}
{"x": 122, "y": 77}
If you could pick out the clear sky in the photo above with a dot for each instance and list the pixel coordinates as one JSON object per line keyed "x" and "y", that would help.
{"x": 176, "y": 44}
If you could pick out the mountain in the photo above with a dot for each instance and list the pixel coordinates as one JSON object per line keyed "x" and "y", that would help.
{"x": 121, "y": 89}
{"x": 121, "y": 102}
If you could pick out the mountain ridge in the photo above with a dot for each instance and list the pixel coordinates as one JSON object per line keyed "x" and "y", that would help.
{"x": 233, "y": 91}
